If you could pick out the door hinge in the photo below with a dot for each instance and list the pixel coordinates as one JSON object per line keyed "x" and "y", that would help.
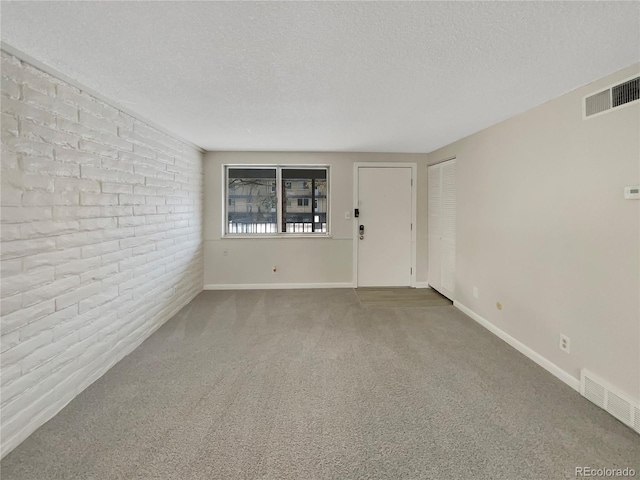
{"x": 411, "y": 270}
{"x": 412, "y": 182}
{"x": 412, "y": 226}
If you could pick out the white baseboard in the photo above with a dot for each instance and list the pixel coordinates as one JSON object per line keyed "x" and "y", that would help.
{"x": 552, "y": 368}
{"x": 274, "y": 286}
{"x": 422, "y": 285}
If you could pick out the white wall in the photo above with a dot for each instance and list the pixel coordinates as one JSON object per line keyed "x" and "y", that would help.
{"x": 101, "y": 220}
{"x": 543, "y": 228}
{"x": 249, "y": 261}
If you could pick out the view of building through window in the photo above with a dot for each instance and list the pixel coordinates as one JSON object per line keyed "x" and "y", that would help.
{"x": 305, "y": 201}
{"x": 252, "y": 200}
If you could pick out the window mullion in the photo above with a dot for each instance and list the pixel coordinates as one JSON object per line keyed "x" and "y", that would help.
{"x": 280, "y": 194}
{"x": 313, "y": 206}
{"x": 225, "y": 202}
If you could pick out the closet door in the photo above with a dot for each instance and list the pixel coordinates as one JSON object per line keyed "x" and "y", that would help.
{"x": 448, "y": 228}
{"x": 434, "y": 225}
{"x": 442, "y": 227}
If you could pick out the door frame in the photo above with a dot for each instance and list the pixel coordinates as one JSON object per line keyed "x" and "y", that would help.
{"x": 414, "y": 184}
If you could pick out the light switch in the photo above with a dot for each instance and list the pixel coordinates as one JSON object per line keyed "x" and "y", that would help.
{"x": 347, "y": 215}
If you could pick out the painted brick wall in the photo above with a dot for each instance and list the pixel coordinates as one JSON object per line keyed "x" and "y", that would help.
{"x": 101, "y": 240}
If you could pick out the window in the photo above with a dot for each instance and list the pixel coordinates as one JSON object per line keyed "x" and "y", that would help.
{"x": 309, "y": 213}
{"x": 253, "y": 194}
{"x": 276, "y": 200}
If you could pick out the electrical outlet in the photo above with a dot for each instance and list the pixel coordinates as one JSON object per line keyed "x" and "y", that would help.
{"x": 175, "y": 290}
{"x": 475, "y": 292}
{"x": 347, "y": 215}
{"x": 565, "y": 344}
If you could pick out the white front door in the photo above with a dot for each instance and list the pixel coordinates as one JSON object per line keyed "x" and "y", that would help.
{"x": 385, "y": 245}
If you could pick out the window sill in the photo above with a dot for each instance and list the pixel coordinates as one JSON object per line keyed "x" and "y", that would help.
{"x": 273, "y": 235}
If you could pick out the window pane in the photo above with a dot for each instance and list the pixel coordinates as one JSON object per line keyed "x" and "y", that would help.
{"x": 252, "y": 200}
{"x": 305, "y": 200}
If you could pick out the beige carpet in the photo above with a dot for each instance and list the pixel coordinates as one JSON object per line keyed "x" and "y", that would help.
{"x": 305, "y": 384}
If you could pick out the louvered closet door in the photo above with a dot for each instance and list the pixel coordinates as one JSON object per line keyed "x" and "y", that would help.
{"x": 434, "y": 225}
{"x": 442, "y": 227}
{"x": 448, "y": 239}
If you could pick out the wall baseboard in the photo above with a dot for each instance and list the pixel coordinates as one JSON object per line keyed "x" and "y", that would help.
{"x": 422, "y": 285}
{"x": 552, "y": 368}
{"x": 274, "y": 286}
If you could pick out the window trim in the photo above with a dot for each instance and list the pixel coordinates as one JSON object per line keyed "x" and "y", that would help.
{"x": 279, "y": 195}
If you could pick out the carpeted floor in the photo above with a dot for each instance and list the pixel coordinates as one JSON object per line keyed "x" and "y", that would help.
{"x": 308, "y": 384}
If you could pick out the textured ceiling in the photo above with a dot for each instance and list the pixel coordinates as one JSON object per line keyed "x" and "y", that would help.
{"x": 316, "y": 76}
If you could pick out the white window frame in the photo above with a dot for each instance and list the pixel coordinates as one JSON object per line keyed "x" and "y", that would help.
{"x": 279, "y": 193}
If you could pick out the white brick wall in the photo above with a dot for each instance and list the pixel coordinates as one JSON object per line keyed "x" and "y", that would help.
{"x": 101, "y": 219}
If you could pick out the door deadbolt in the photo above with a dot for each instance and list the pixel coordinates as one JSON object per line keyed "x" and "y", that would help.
{"x": 361, "y": 232}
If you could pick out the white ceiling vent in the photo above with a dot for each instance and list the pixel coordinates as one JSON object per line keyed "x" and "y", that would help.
{"x": 610, "y": 399}
{"x": 612, "y": 98}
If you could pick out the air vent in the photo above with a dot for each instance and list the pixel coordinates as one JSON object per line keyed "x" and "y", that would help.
{"x": 593, "y": 391}
{"x": 619, "y": 408}
{"x": 613, "y": 97}
{"x": 600, "y": 102}
{"x": 608, "y": 398}
{"x": 625, "y": 92}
